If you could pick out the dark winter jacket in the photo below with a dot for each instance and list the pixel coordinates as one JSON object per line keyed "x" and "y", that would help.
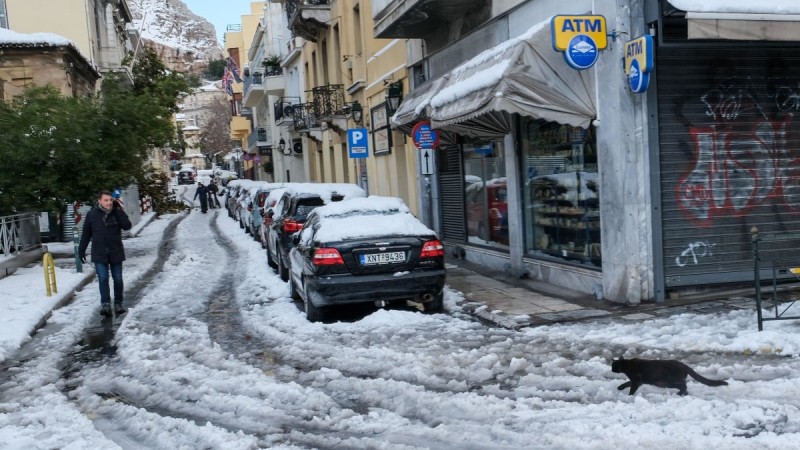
{"x": 104, "y": 231}
{"x": 212, "y": 188}
{"x": 201, "y": 191}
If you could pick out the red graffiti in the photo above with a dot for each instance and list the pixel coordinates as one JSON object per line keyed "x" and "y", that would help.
{"x": 736, "y": 170}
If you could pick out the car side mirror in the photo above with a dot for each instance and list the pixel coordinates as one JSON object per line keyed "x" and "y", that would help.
{"x": 296, "y": 238}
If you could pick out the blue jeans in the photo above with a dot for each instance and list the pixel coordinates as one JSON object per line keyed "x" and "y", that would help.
{"x": 102, "y": 278}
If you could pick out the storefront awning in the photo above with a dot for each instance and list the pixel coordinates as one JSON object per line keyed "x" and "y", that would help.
{"x": 523, "y": 75}
{"x": 415, "y": 106}
{"x": 753, "y": 20}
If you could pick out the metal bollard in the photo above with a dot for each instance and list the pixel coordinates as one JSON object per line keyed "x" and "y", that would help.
{"x": 50, "y": 284}
{"x": 76, "y": 240}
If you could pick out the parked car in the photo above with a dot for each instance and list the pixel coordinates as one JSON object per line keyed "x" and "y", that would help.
{"x": 291, "y": 211}
{"x": 232, "y": 192}
{"x": 266, "y": 217}
{"x": 366, "y": 250}
{"x": 258, "y": 198}
{"x": 186, "y": 176}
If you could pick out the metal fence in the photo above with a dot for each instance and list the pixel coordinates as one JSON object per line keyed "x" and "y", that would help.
{"x": 19, "y": 233}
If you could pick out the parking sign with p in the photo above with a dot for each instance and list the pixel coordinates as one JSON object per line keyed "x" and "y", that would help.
{"x": 358, "y": 142}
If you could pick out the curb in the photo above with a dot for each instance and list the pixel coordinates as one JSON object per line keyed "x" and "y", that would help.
{"x": 63, "y": 302}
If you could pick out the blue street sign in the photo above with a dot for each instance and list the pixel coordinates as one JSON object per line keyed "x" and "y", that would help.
{"x": 358, "y": 142}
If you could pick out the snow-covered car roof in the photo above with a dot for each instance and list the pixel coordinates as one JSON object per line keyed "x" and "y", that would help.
{"x": 274, "y": 196}
{"x": 365, "y": 218}
{"x": 326, "y": 190}
{"x": 373, "y": 204}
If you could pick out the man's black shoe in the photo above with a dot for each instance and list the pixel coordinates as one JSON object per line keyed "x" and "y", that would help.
{"x": 119, "y": 309}
{"x": 105, "y": 310}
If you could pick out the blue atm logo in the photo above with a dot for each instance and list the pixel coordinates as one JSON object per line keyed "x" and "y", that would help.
{"x": 582, "y": 26}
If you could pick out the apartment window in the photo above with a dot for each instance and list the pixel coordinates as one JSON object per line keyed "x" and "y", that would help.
{"x": 337, "y": 52}
{"x": 357, "y": 29}
{"x": 324, "y": 50}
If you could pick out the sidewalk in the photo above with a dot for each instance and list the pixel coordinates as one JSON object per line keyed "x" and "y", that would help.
{"x": 515, "y": 303}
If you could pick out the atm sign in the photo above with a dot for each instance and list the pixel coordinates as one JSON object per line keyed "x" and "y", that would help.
{"x": 565, "y": 28}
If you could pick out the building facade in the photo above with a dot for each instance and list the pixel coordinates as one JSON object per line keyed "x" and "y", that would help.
{"x": 583, "y": 179}
{"x": 338, "y": 77}
{"x": 100, "y": 29}
{"x": 43, "y": 59}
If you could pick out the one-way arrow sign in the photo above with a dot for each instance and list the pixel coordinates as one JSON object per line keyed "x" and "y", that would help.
{"x": 426, "y": 161}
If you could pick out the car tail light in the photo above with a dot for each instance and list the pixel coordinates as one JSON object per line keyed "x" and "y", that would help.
{"x": 432, "y": 249}
{"x": 327, "y": 257}
{"x": 291, "y": 226}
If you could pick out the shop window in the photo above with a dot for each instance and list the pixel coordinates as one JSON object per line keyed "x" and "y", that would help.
{"x": 485, "y": 194}
{"x": 561, "y": 192}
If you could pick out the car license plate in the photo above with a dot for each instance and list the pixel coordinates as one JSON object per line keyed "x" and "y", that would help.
{"x": 382, "y": 258}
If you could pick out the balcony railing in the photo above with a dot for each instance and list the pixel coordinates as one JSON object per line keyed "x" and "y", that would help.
{"x": 256, "y": 79}
{"x": 328, "y": 100}
{"x": 273, "y": 71}
{"x": 258, "y": 138}
{"x": 305, "y": 117}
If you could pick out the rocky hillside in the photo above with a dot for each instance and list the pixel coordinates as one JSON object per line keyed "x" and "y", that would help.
{"x": 185, "y": 41}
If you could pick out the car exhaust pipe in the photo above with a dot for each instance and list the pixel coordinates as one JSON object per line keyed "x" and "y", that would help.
{"x": 427, "y": 297}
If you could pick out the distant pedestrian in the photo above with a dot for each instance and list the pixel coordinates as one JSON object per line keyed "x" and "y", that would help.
{"x": 213, "y": 200}
{"x": 103, "y": 227}
{"x": 202, "y": 192}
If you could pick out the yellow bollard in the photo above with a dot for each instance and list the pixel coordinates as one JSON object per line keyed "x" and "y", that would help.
{"x": 50, "y": 284}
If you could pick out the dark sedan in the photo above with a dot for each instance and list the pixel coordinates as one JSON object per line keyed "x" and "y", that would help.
{"x": 366, "y": 250}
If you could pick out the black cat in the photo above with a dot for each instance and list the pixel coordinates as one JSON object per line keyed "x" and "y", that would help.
{"x": 667, "y": 374}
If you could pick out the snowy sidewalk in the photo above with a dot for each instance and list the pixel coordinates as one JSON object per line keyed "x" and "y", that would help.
{"x": 24, "y": 304}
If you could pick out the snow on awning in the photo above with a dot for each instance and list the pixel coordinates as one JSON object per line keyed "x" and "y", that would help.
{"x": 416, "y": 105}
{"x": 522, "y": 76}
{"x": 757, "y": 20}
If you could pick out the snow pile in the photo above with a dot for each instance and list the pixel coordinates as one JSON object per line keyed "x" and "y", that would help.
{"x": 8, "y": 37}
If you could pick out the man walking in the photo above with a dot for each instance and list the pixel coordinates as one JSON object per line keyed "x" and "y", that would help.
{"x": 202, "y": 191}
{"x": 103, "y": 227}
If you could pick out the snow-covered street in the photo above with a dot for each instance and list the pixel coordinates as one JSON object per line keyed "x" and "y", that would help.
{"x": 214, "y": 354}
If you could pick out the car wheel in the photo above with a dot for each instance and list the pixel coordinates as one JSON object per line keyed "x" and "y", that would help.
{"x": 436, "y": 305}
{"x": 283, "y": 271}
{"x": 270, "y": 261}
{"x": 313, "y": 313}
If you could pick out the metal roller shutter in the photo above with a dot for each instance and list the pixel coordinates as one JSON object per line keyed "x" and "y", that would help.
{"x": 729, "y": 130}
{"x": 451, "y": 191}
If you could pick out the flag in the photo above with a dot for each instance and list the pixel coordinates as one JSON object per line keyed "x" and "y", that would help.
{"x": 234, "y": 69}
{"x": 227, "y": 81}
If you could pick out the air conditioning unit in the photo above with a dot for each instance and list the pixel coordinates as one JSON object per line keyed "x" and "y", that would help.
{"x": 297, "y": 146}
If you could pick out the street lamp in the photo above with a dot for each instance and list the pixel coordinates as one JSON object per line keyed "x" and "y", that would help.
{"x": 394, "y": 95}
{"x": 357, "y": 111}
